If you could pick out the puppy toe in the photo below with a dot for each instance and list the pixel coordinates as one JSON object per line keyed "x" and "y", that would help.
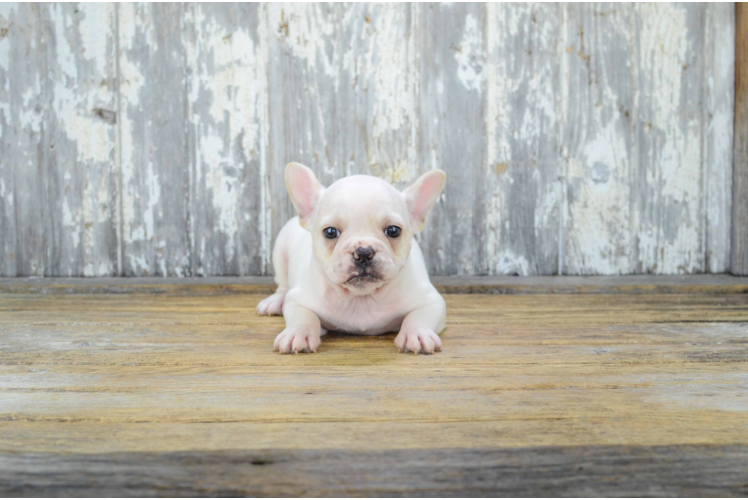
{"x": 427, "y": 344}
{"x": 300, "y": 344}
{"x": 283, "y": 342}
{"x": 437, "y": 342}
{"x": 412, "y": 344}
{"x": 313, "y": 341}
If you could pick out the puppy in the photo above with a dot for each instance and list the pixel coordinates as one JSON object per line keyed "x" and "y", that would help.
{"x": 349, "y": 263}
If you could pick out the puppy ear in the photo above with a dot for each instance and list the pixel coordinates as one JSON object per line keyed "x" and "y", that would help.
{"x": 304, "y": 189}
{"x": 422, "y": 195}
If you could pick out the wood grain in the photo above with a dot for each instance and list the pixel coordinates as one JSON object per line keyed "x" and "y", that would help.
{"x": 23, "y": 179}
{"x": 719, "y": 110}
{"x": 719, "y": 284}
{"x": 144, "y": 140}
{"x": 156, "y": 232}
{"x": 451, "y": 70}
{"x": 523, "y": 206}
{"x": 340, "y": 94}
{"x": 601, "y": 471}
{"x": 739, "y": 258}
{"x": 134, "y": 393}
{"x": 225, "y": 71}
{"x": 80, "y": 140}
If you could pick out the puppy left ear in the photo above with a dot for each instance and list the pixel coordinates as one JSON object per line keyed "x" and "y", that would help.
{"x": 304, "y": 189}
{"x": 422, "y": 195}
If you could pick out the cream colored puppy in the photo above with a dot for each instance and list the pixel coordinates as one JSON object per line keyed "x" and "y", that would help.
{"x": 349, "y": 263}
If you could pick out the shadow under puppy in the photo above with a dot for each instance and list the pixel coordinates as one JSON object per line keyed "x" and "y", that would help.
{"x": 349, "y": 263}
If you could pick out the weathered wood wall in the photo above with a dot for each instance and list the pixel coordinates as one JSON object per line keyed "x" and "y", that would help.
{"x": 739, "y": 260}
{"x": 150, "y": 139}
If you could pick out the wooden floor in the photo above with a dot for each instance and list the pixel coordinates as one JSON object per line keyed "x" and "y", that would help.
{"x": 534, "y": 394}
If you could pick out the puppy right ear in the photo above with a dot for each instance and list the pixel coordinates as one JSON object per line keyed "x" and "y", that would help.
{"x": 304, "y": 189}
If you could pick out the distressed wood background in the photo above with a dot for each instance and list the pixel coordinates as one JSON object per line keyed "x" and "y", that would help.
{"x": 150, "y": 139}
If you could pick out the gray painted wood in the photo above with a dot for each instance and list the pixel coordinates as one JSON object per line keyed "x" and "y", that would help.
{"x": 340, "y": 95}
{"x": 452, "y": 132}
{"x": 598, "y": 139}
{"x": 739, "y": 256}
{"x": 578, "y": 471}
{"x": 224, "y": 79}
{"x": 23, "y": 180}
{"x": 154, "y": 159}
{"x": 717, "y": 284}
{"x": 80, "y": 127}
{"x": 150, "y": 140}
{"x": 719, "y": 54}
{"x": 524, "y": 166}
{"x": 669, "y": 135}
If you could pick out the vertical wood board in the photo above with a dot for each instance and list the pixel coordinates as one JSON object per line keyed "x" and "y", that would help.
{"x": 739, "y": 255}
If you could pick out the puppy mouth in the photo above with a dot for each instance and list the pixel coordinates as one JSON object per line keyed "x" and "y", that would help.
{"x": 363, "y": 278}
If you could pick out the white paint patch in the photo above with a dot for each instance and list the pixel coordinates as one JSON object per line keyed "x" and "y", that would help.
{"x": 388, "y": 77}
{"x": 133, "y": 22}
{"x": 7, "y": 196}
{"x": 29, "y": 116}
{"x": 508, "y": 262}
{"x": 521, "y": 107}
{"x": 471, "y": 56}
{"x": 305, "y": 29}
{"x": 75, "y": 98}
{"x": 225, "y": 81}
{"x": 671, "y": 242}
{"x": 599, "y": 239}
{"x": 6, "y": 10}
{"x": 718, "y": 159}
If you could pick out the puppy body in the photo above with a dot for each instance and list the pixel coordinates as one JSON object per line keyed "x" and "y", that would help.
{"x": 349, "y": 263}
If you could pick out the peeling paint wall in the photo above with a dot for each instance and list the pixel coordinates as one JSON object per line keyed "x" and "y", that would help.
{"x": 150, "y": 139}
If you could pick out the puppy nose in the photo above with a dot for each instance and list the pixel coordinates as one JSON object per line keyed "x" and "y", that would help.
{"x": 363, "y": 256}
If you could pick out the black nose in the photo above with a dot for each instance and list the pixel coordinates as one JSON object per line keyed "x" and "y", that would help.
{"x": 363, "y": 256}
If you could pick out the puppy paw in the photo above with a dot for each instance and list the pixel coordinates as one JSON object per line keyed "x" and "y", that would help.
{"x": 296, "y": 340}
{"x": 418, "y": 340}
{"x": 272, "y": 306}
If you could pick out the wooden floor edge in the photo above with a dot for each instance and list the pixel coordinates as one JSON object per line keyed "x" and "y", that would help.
{"x": 607, "y": 471}
{"x": 644, "y": 284}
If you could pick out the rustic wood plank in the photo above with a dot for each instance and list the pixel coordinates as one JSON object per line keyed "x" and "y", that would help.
{"x": 202, "y": 133}
{"x": 719, "y": 118}
{"x": 739, "y": 256}
{"x": 598, "y": 138}
{"x": 226, "y": 71}
{"x": 80, "y": 140}
{"x": 451, "y": 70}
{"x": 102, "y": 389}
{"x": 720, "y": 284}
{"x": 670, "y": 138}
{"x": 522, "y": 220}
{"x": 628, "y": 363}
{"x": 24, "y": 210}
{"x": 9, "y": 242}
{"x": 156, "y": 228}
{"x": 339, "y": 90}
{"x": 574, "y": 471}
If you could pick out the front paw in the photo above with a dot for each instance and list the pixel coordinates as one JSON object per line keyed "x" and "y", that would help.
{"x": 271, "y": 306}
{"x": 418, "y": 340}
{"x": 297, "y": 339}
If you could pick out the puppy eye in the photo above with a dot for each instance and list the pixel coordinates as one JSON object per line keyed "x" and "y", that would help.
{"x": 393, "y": 231}
{"x": 330, "y": 233}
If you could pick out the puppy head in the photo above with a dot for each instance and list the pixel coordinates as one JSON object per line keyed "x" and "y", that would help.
{"x": 362, "y": 227}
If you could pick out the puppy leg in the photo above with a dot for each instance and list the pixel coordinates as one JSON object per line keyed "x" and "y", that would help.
{"x": 418, "y": 332}
{"x": 302, "y": 333}
{"x": 273, "y": 305}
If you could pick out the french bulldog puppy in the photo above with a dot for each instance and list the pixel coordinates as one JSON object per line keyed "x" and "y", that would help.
{"x": 349, "y": 263}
